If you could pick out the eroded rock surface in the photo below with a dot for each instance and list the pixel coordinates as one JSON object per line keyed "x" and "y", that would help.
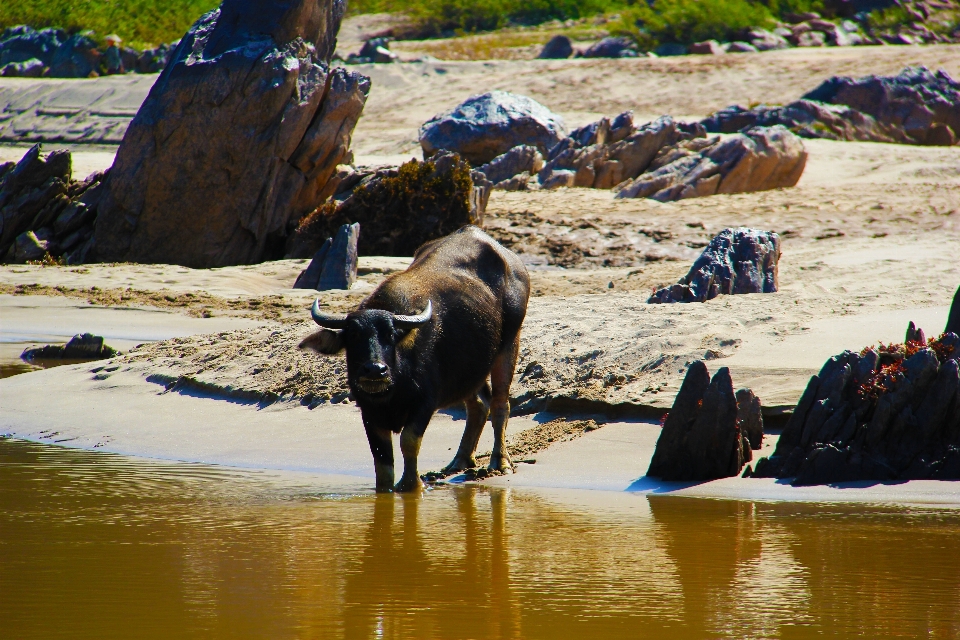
{"x": 736, "y": 261}
{"x": 490, "y": 124}
{"x": 707, "y": 434}
{"x": 43, "y": 211}
{"x": 890, "y": 413}
{"x": 236, "y": 141}
{"x": 334, "y": 265}
{"x": 520, "y": 159}
{"x": 83, "y": 346}
{"x": 922, "y": 105}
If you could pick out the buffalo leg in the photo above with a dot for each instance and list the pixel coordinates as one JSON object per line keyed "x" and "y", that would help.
{"x": 381, "y": 446}
{"x": 410, "y": 439}
{"x": 478, "y": 409}
{"x": 501, "y": 375}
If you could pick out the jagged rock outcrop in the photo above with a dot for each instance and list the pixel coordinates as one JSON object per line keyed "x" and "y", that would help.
{"x": 739, "y": 260}
{"x": 400, "y": 209}
{"x": 558, "y": 48}
{"x": 605, "y": 153}
{"x": 708, "y": 433}
{"x": 917, "y": 106}
{"x": 887, "y": 413}
{"x": 807, "y": 119}
{"x": 236, "y": 141}
{"x": 43, "y": 211}
{"x": 520, "y": 159}
{"x": 922, "y": 105}
{"x": 83, "y": 346}
{"x": 759, "y": 159}
{"x": 487, "y": 125}
{"x": 334, "y": 265}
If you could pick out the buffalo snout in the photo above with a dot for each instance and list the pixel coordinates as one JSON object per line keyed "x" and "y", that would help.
{"x": 373, "y": 370}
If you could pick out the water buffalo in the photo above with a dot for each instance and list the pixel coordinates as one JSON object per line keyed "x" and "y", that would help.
{"x": 431, "y": 337}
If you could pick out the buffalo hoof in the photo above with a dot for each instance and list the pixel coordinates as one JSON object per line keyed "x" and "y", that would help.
{"x": 500, "y": 463}
{"x": 460, "y": 463}
{"x": 409, "y": 485}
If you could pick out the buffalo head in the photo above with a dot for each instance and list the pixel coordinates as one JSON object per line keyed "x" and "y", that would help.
{"x": 370, "y": 337}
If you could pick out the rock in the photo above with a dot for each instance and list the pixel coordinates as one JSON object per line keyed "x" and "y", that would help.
{"x": 913, "y": 102}
{"x": 257, "y": 74}
{"x": 153, "y": 60}
{"x": 615, "y": 150}
{"x": 559, "y": 178}
{"x": 32, "y": 68}
{"x": 30, "y": 246}
{"x": 810, "y": 39}
{"x": 611, "y": 48}
{"x": 953, "y": 320}
{"x": 519, "y": 182}
{"x": 399, "y": 209}
{"x": 77, "y": 57}
{"x": 487, "y": 125}
{"x": 28, "y": 188}
{"x": 520, "y": 159}
{"x": 741, "y": 47}
{"x": 886, "y": 414}
{"x": 707, "y": 47}
{"x": 750, "y": 418}
{"x": 738, "y": 260}
{"x": 84, "y": 346}
{"x": 557, "y": 48}
{"x": 375, "y": 50}
{"x": 334, "y": 266}
{"x": 701, "y": 437}
{"x": 807, "y": 119}
{"x": 759, "y": 159}
{"x": 764, "y": 40}
{"x": 797, "y": 18}
{"x": 671, "y": 49}
{"x": 22, "y": 43}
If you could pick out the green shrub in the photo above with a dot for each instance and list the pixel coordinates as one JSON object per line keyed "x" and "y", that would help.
{"x": 689, "y": 21}
{"x": 140, "y": 23}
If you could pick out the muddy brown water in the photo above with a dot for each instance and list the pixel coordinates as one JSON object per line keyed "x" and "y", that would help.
{"x": 97, "y": 545}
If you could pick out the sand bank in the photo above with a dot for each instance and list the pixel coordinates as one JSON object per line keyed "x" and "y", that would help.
{"x": 121, "y": 412}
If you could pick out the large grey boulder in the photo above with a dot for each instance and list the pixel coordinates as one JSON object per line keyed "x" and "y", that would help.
{"x": 612, "y": 48}
{"x": 922, "y": 104}
{"x": 760, "y": 159}
{"x": 887, "y": 413}
{"x": 707, "y": 434}
{"x": 487, "y": 125}
{"x": 739, "y": 260}
{"x": 236, "y": 140}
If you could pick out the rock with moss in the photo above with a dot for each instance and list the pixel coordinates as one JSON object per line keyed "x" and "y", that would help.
{"x": 399, "y": 209}
{"x": 886, "y": 413}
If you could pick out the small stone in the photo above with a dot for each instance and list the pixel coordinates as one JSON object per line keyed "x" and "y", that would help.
{"x": 741, "y": 47}
{"x": 707, "y": 47}
{"x": 559, "y": 47}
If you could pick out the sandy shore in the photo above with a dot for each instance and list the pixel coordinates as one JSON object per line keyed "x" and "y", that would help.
{"x": 870, "y": 239}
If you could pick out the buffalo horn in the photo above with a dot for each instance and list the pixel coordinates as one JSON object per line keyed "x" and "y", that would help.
{"x": 420, "y": 318}
{"x": 328, "y": 321}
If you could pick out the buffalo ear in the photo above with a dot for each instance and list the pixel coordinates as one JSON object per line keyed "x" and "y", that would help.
{"x": 324, "y": 341}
